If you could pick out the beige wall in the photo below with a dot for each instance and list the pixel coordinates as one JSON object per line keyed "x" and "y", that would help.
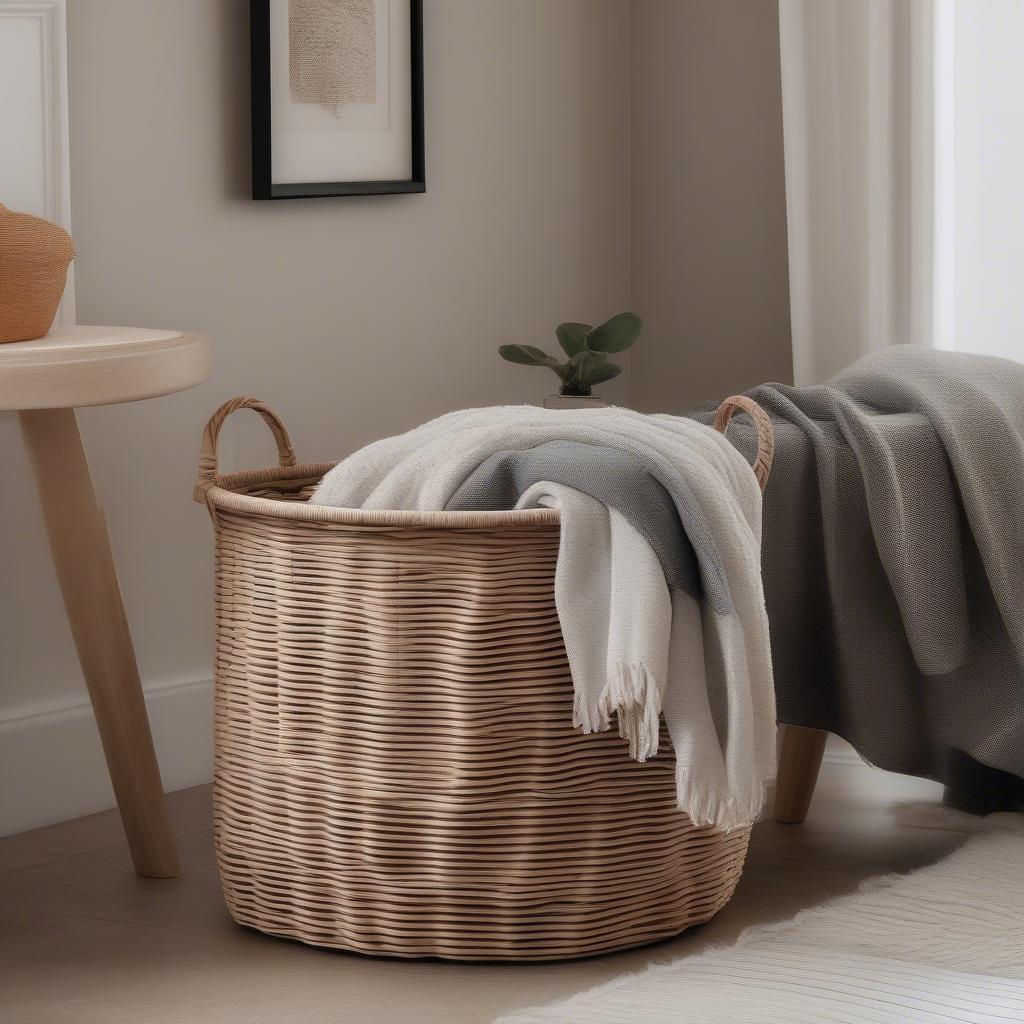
{"x": 354, "y": 317}
{"x": 360, "y": 317}
{"x": 709, "y": 264}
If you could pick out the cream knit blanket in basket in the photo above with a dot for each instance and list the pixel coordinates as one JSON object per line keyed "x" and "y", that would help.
{"x": 637, "y": 647}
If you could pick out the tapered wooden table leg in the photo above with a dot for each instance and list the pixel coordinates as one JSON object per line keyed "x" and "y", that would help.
{"x": 799, "y": 760}
{"x": 88, "y": 581}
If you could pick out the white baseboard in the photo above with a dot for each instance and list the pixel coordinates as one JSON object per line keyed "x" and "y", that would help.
{"x": 851, "y": 774}
{"x": 52, "y": 764}
{"x": 838, "y": 751}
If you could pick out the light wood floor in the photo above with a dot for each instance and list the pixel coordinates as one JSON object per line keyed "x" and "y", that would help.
{"x": 84, "y": 941}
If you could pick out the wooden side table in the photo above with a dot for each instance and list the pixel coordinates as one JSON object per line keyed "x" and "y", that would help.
{"x": 44, "y": 381}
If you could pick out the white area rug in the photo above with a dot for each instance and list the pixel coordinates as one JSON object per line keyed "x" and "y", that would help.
{"x": 941, "y": 945}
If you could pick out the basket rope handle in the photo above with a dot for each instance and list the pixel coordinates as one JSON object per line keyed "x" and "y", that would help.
{"x": 207, "y": 474}
{"x": 765, "y": 432}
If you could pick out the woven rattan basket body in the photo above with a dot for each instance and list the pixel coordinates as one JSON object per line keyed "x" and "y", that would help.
{"x": 396, "y": 767}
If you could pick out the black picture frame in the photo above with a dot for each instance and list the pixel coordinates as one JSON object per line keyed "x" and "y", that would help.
{"x": 263, "y": 186}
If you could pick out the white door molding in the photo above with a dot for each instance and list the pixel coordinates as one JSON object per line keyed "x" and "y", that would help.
{"x": 34, "y": 162}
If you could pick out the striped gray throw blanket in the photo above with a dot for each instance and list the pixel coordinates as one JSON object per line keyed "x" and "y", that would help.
{"x": 894, "y": 564}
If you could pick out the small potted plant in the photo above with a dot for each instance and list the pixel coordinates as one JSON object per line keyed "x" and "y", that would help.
{"x": 587, "y": 349}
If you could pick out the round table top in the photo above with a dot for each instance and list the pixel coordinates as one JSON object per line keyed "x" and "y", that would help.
{"x": 79, "y": 366}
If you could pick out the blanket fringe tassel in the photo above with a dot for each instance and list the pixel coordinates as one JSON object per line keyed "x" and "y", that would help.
{"x": 706, "y": 808}
{"x": 633, "y": 697}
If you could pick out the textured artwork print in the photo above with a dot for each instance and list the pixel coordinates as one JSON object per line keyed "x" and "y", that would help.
{"x": 337, "y": 97}
{"x": 332, "y": 52}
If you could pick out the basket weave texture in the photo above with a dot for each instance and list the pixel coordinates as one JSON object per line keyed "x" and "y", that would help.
{"x": 396, "y": 767}
{"x": 34, "y": 258}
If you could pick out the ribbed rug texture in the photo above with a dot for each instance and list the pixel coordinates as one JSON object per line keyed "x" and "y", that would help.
{"x": 944, "y": 944}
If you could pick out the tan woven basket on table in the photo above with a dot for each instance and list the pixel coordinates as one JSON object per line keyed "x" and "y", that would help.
{"x": 34, "y": 258}
{"x": 396, "y": 767}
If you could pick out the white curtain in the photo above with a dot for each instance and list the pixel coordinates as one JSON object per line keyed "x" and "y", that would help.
{"x": 866, "y": 104}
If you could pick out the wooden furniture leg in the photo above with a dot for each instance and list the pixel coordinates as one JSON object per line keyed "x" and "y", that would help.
{"x": 81, "y": 552}
{"x": 799, "y": 760}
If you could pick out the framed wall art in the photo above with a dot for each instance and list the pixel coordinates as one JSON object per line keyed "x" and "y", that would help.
{"x": 337, "y": 98}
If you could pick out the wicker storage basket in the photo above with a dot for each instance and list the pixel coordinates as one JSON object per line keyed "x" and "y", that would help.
{"x": 396, "y": 767}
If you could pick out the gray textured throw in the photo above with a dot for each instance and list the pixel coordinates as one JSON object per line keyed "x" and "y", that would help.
{"x": 894, "y": 564}
{"x": 624, "y": 480}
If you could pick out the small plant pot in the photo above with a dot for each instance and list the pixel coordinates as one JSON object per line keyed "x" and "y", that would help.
{"x": 557, "y": 401}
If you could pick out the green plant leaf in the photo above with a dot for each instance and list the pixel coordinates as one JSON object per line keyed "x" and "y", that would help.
{"x": 572, "y": 337}
{"x": 616, "y": 334}
{"x": 603, "y": 372}
{"x": 527, "y": 355}
{"x": 581, "y": 366}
